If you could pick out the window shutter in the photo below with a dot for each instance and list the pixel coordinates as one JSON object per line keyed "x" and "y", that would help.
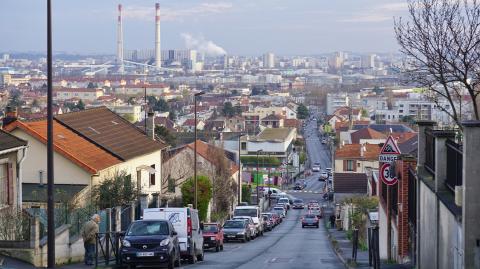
{"x": 354, "y": 164}
{"x": 10, "y": 184}
{"x": 345, "y": 165}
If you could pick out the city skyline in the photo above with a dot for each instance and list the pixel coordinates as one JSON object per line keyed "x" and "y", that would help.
{"x": 237, "y": 27}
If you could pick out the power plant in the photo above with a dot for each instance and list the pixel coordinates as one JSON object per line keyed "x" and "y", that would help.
{"x": 120, "y": 55}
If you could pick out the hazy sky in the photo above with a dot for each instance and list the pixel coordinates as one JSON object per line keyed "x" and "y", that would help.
{"x": 249, "y": 27}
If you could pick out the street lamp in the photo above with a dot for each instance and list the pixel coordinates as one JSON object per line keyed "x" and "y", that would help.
{"x": 195, "y": 149}
{"x": 258, "y": 152}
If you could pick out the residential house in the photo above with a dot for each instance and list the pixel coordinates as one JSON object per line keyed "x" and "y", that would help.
{"x": 272, "y": 121}
{"x": 85, "y": 94}
{"x": 189, "y": 125}
{"x": 355, "y": 158}
{"x": 178, "y": 167}
{"x": 348, "y": 185}
{"x": 90, "y": 146}
{"x": 13, "y": 151}
{"x": 276, "y": 142}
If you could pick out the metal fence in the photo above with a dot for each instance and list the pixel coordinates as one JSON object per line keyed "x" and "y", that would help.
{"x": 429, "y": 151}
{"x": 15, "y": 225}
{"x": 454, "y": 164}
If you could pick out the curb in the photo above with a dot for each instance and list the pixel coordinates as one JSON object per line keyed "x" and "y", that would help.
{"x": 337, "y": 251}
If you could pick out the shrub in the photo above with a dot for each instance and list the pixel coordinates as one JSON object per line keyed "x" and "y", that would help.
{"x": 204, "y": 194}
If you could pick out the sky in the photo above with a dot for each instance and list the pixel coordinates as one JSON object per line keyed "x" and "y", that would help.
{"x": 238, "y": 27}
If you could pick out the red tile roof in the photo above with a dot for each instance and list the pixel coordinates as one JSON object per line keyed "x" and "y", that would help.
{"x": 67, "y": 143}
{"x": 352, "y": 151}
{"x": 205, "y": 150}
{"x": 366, "y": 133}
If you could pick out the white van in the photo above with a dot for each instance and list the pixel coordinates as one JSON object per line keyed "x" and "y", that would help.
{"x": 251, "y": 211}
{"x": 274, "y": 192}
{"x": 186, "y": 222}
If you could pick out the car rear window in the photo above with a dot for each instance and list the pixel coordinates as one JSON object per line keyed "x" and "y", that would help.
{"x": 210, "y": 228}
{"x": 234, "y": 224}
{"x": 298, "y": 201}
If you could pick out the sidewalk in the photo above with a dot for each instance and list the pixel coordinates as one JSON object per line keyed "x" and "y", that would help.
{"x": 9, "y": 263}
{"x": 343, "y": 248}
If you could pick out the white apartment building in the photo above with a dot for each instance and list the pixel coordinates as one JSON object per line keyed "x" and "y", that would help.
{"x": 85, "y": 94}
{"x": 268, "y": 60}
{"x": 335, "y": 101}
{"x": 155, "y": 90}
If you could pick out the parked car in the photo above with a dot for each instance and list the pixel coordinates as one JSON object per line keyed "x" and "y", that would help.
{"x": 267, "y": 223}
{"x": 274, "y": 192}
{"x": 251, "y": 225}
{"x": 323, "y": 176}
{"x": 298, "y": 204}
{"x": 324, "y": 141}
{"x": 310, "y": 220}
{"x": 329, "y": 170}
{"x": 237, "y": 230}
{"x": 284, "y": 201}
{"x": 254, "y": 213}
{"x": 150, "y": 242}
{"x": 277, "y": 218}
{"x": 280, "y": 210}
{"x": 212, "y": 236}
{"x": 186, "y": 222}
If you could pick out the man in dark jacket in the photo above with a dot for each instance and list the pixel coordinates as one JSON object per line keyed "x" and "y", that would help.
{"x": 89, "y": 231}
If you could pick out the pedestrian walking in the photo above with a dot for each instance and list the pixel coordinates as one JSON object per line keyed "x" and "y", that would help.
{"x": 89, "y": 231}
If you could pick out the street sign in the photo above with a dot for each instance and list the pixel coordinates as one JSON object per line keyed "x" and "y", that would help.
{"x": 389, "y": 151}
{"x": 390, "y": 147}
{"x": 387, "y": 176}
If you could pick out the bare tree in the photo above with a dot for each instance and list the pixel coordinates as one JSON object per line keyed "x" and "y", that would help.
{"x": 441, "y": 40}
{"x": 224, "y": 188}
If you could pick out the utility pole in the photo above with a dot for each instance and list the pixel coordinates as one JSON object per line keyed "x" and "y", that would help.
{"x": 239, "y": 182}
{"x": 50, "y": 174}
{"x": 195, "y": 150}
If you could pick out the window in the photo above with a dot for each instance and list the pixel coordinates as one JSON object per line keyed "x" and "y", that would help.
{"x": 244, "y": 145}
{"x": 152, "y": 176}
{"x": 349, "y": 165}
{"x": 6, "y": 188}
{"x": 171, "y": 184}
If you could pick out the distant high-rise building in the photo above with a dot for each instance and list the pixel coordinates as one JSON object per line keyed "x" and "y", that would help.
{"x": 368, "y": 61}
{"x": 335, "y": 62}
{"x": 268, "y": 60}
{"x": 158, "y": 53}
{"x": 225, "y": 61}
{"x": 6, "y": 57}
{"x": 187, "y": 58}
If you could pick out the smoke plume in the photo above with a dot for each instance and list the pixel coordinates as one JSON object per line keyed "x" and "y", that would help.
{"x": 202, "y": 45}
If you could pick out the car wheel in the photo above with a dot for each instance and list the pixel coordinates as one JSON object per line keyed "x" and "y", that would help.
{"x": 192, "y": 258}
{"x": 303, "y": 226}
{"x": 201, "y": 257}
{"x": 178, "y": 261}
{"x": 217, "y": 247}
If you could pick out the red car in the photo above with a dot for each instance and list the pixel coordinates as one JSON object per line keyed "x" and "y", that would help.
{"x": 212, "y": 236}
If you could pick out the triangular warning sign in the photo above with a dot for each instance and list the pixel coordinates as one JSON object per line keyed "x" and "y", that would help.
{"x": 390, "y": 147}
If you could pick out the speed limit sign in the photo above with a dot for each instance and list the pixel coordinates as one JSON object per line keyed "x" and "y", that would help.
{"x": 386, "y": 175}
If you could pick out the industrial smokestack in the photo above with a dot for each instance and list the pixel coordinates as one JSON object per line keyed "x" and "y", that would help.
{"x": 158, "y": 52}
{"x": 120, "y": 40}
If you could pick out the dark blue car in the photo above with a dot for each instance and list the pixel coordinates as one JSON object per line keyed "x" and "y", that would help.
{"x": 150, "y": 242}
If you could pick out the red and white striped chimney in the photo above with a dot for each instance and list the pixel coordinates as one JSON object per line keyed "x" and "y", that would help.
{"x": 158, "y": 52}
{"x": 120, "y": 39}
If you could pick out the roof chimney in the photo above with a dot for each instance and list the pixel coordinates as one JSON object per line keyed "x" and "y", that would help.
{"x": 150, "y": 131}
{"x": 10, "y": 115}
{"x": 363, "y": 149}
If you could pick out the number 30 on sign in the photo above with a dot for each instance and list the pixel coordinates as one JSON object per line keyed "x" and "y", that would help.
{"x": 385, "y": 175}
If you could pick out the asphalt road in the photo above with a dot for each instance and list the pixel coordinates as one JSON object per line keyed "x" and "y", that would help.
{"x": 288, "y": 245}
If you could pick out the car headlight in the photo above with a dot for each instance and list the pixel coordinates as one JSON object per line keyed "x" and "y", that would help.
{"x": 165, "y": 242}
{"x": 126, "y": 243}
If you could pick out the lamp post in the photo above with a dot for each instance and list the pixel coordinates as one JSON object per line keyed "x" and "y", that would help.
{"x": 269, "y": 168}
{"x": 195, "y": 150}
{"x": 50, "y": 178}
{"x": 239, "y": 198}
{"x": 258, "y": 152}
